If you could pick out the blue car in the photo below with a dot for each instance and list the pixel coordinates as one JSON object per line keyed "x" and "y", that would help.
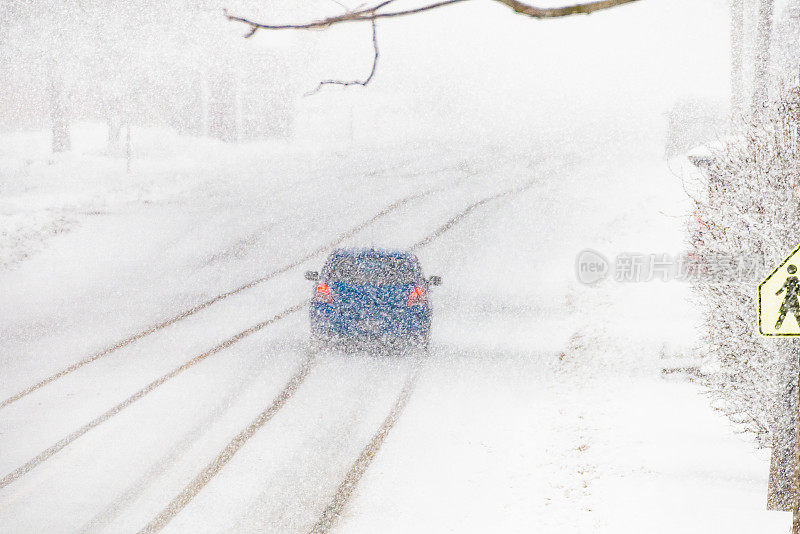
{"x": 371, "y": 295}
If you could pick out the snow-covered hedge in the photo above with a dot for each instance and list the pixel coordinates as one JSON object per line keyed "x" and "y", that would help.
{"x": 751, "y": 213}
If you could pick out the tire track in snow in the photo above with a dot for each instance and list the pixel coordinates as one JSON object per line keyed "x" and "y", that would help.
{"x": 345, "y": 490}
{"x": 222, "y": 296}
{"x": 249, "y": 241}
{"x": 469, "y": 209}
{"x": 109, "y": 513}
{"x": 335, "y": 508}
{"x": 102, "y": 418}
{"x": 61, "y": 444}
{"x": 215, "y": 466}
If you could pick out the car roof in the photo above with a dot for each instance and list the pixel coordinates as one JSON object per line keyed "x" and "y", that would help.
{"x": 379, "y": 252}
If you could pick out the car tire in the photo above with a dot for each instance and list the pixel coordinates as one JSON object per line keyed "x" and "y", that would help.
{"x": 424, "y": 341}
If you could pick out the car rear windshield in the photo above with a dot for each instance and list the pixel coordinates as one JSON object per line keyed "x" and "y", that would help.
{"x": 372, "y": 270}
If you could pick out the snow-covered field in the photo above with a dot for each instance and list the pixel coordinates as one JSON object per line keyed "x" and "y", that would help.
{"x": 540, "y": 407}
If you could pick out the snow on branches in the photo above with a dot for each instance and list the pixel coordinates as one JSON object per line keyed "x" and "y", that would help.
{"x": 750, "y": 209}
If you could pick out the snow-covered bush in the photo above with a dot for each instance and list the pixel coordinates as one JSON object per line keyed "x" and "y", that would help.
{"x": 750, "y": 215}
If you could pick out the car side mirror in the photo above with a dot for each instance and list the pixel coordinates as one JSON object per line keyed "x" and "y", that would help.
{"x": 312, "y": 275}
{"x": 435, "y": 280}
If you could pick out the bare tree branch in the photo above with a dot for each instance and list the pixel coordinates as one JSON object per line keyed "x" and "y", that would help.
{"x": 556, "y": 12}
{"x": 344, "y": 7}
{"x": 373, "y": 13}
{"x": 362, "y": 15}
{"x": 356, "y": 82}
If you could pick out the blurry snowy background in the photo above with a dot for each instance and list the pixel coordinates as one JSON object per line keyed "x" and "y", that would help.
{"x": 152, "y": 158}
{"x": 178, "y": 73}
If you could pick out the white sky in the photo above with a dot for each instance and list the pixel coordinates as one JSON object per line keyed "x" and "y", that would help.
{"x": 481, "y": 67}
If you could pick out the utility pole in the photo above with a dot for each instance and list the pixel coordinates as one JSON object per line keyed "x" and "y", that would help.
{"x": 796, "y": 478}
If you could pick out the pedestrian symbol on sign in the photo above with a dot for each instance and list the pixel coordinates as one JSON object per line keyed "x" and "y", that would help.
{"x": 779, "y": 299}
{"x": 790, "y": 303}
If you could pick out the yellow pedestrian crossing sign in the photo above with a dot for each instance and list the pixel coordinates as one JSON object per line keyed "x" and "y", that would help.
{"x": 779, "y": 299}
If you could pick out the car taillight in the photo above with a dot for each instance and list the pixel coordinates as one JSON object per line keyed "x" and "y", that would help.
{"x": 417, "y": 297}
{"x": 322, "y": 293}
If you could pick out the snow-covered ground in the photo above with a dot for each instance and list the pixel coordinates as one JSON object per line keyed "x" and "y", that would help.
{"x": 541, "y": 406}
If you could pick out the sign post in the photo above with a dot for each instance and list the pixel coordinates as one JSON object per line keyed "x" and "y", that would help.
{"x": 779, "y": 315}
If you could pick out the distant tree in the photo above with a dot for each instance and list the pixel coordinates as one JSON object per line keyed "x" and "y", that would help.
{"x": 127, "y": 62}
{"x": 47, "y": 29}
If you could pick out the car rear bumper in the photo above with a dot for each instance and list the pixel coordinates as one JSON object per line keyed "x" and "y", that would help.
{"x": 409, "y": 323}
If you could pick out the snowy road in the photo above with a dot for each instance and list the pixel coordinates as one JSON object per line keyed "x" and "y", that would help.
{"x": 211, "y": 412}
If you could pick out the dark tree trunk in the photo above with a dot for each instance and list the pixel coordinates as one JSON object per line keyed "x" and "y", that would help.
{"x": 781, "y": 467}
